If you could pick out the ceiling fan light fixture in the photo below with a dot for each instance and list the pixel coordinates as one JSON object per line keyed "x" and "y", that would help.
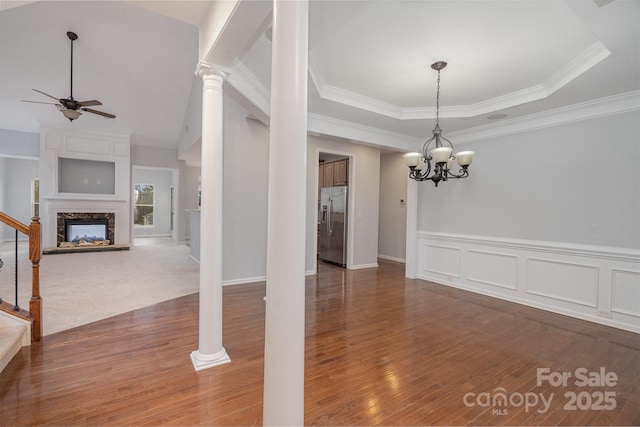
{"x": 70, "y": 114}
{"x": 70, "y": 107}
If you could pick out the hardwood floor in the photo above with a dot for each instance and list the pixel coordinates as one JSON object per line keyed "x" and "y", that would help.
{"x": 380, "y": 350}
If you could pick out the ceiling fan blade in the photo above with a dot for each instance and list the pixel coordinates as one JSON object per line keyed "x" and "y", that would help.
{"x": 46, "y": 94}
{"x": 89, "y": 103}
{"x": 101, "y": 113}
{"x": 40, "y": 102}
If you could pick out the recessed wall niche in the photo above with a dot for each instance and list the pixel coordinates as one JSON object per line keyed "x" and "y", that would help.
{"x": 86, "y": 176}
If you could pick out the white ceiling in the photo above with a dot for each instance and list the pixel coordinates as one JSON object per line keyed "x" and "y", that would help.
{"x": 369, "y": 61}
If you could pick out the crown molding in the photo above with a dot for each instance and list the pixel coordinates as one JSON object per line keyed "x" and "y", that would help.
{"x": 602, "y": 107}
{"x": 250, "y": 87}
{"x": 364, "y": 134}
{"x": 593, "y": 55}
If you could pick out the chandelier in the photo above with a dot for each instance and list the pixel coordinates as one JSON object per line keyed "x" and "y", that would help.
{"x": 420, "y": 163}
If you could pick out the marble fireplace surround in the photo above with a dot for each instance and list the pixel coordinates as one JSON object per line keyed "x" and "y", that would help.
{"x": 98, "y": 216}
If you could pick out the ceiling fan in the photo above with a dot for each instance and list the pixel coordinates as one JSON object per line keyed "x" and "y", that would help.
{"x": 69, "y": 107}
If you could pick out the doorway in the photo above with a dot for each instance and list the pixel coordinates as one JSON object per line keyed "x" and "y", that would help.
{"x": 154, "y": 191}
{"x": 333, "y": 218}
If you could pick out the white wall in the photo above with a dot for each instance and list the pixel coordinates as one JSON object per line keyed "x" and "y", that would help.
{"x": 546, "y": 219}
{"x": 393, "y": 208}
{"x": 161, "y": 181}
{"x": 364, "y": 185}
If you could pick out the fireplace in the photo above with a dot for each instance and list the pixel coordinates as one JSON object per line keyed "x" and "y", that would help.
{"x": 85, "y": 229}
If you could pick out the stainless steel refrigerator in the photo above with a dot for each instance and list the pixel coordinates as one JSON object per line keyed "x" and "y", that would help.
{"x": 333, "y": 225}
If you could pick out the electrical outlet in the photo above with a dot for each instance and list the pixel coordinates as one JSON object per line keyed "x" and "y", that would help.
{"x": 85, "y": 181}
{"x": 604, "y": 313}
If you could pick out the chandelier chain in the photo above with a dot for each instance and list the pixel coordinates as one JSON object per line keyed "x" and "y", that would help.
{"x": 438, "y": 102}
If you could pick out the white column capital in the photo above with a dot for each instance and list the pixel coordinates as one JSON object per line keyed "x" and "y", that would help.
{"x": 206, "y": 70}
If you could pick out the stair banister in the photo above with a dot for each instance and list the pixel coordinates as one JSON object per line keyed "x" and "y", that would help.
{"x": 35, "y": 253}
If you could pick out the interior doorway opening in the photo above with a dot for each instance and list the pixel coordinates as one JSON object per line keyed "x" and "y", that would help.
{"x": 333, "y": 208}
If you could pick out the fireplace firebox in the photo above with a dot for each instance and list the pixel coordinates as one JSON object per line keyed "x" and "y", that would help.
{"x": 86, "y": 230}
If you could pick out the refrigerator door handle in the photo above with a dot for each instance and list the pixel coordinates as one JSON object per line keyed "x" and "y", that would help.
{"x": 329, "y": 219}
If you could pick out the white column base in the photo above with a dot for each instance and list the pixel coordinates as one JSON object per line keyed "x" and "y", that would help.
{"x": 205, "y": 361}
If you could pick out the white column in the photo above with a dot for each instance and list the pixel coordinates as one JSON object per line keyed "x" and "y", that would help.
{"x": 284, "y": 326}
{"x": 210, "y": 350}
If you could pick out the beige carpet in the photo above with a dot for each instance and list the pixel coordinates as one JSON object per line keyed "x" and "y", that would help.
{"x": 80, "y": 288}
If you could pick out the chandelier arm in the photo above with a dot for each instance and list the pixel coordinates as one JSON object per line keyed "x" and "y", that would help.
{"x": 463, "y": 173}
{"x": 420, "y": 175}
{"x": 425, "y": 147}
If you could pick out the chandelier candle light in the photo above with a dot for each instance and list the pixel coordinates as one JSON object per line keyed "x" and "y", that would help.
{"x": 420, "y": 163}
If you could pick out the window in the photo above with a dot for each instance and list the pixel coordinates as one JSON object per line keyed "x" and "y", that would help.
{"x": 143, "y": 204}
{"x": 35, "y": 197}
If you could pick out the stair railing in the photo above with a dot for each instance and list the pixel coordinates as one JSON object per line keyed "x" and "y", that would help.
{"x": 35, "y": 253}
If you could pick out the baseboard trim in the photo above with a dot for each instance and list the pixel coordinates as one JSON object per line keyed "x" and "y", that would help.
{"x": 244, "y": 281}
{"x": 392, "y": 258}
{"x": 363, "y": 266}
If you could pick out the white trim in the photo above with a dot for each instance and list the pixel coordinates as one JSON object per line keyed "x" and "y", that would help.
{"x": 15, "y": 156}
{"x": 621, "y": 254}
{"x": 593, "y": 55}
{"x": 392, "y": 258}
{"x": 362, "y": 266}
{"x": 250, "y": 87}
{"x": 243, "y": 281}
{"x": 367, "y": 134}
{"x": 204, "y": 361}
{"x": 603, "y": 107}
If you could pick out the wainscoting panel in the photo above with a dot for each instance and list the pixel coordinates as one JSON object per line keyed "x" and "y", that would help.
{"x": 493, "y": 269}
{"x": 440, "y": 259}
{"x": 594, "y": 283}
{"x": 625, "y": 292}
{"x": 577, "y": 283}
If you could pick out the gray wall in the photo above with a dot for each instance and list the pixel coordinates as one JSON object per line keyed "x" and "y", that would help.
{"x": 161, "y": 181}
{"x": 392, "y": 234}
{"x": 153, "y": 157}
{"x": 574, "y": 183}
{"x": 246, "y": 164}
{"x": 21, "y": 144}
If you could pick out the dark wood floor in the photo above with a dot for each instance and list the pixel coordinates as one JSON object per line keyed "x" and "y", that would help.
{"x": 380, "y": 350}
